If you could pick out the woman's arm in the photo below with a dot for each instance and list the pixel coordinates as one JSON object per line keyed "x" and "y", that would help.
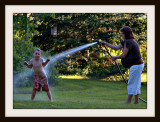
{"x": 113, "y": 46}
{"x": 123, "y": 55}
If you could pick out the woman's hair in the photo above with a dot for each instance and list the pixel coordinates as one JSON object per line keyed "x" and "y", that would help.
{"x": 128, "y": 32}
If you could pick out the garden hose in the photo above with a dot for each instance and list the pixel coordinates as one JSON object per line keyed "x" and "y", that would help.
{"x": 99, "y": 41}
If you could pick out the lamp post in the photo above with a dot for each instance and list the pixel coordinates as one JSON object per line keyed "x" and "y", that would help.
{"x": 54, "y": 33}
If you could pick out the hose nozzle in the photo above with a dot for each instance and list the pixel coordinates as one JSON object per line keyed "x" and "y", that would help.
{"x": 99, "y": 41}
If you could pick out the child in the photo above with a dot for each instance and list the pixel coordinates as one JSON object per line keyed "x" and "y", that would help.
{"x": 40, "y": 79}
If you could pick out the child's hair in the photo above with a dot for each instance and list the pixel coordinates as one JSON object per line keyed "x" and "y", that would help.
{"x": 128, "y": 32}
{"x": 37, "y": 49}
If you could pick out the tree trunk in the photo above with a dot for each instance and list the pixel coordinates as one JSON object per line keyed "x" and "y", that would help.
{"x": 26, "y": 26}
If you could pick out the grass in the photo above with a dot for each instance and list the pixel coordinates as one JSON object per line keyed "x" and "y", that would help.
{"x": 144, "y": 77}
{"x": 79, "y": 94}
{"x": 73, "y": 77}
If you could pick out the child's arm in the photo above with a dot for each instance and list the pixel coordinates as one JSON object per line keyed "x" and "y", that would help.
{"x": 45, "y": 63}
{"x": 28, "y": 65}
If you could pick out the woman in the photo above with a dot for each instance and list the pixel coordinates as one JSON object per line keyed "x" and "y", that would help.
{"x": 130, "y": 58}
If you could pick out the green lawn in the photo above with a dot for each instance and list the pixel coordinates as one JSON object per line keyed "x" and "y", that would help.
{"x": 79, "y": 94}
{"x": 144, "y": 77}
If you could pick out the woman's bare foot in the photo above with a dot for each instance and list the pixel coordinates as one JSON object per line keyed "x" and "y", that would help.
{"x": 136, "y": 103}
{"x": 127, "y": 102}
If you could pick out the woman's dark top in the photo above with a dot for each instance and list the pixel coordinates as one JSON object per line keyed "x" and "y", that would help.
{"x": 133, "y": 56}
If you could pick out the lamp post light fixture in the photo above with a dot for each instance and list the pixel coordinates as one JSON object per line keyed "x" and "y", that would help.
{"x": 54, "y": 33}
{"x": 54, "y": 30}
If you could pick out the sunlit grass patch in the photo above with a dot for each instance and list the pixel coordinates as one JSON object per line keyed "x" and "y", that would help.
{"x": 73, "y": 77}
{"x": 144, "y": 77}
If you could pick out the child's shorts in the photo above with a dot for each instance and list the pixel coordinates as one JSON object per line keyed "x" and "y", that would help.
{"x": 134, "y": 82}
{"x": 40, "y": 82}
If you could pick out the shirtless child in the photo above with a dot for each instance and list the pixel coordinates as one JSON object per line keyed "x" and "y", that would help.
{"x": 40, "y": 78}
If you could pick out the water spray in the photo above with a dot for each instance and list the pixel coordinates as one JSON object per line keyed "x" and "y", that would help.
{"x": 99, "y": 41}
{"x": 70, "y": 52}
{"x": 53, "y": 59}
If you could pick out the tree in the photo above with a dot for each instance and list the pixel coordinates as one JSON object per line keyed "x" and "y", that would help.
{"x": 75, "y": 29}
{"x": 23, "y": 32}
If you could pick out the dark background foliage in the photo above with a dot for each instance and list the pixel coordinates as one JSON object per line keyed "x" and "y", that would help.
{"x": 33, "y": 30}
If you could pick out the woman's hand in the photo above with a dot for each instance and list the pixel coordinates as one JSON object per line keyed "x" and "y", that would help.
{"x": 103, "y": 43}
{"x": 114, "y": 58}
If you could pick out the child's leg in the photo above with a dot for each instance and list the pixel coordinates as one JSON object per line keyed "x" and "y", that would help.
{"x": 45, "y": 87}
{"x": 129, "y": 99}
{"x": 136, "y": 101}
{"x": 33, "y": 95}
{"x": 49, "y": 96}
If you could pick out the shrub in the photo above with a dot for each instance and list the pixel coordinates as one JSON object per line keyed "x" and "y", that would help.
{"x": 23, "y": 51}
